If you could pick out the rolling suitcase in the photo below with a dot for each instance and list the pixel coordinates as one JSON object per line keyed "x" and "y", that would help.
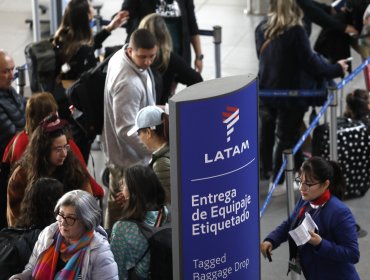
{"x": 353, "y": 138}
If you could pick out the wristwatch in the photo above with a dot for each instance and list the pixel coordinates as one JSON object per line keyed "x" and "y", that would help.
{"x": 199, "y": 57}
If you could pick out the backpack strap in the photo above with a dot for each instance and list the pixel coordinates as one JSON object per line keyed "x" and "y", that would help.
{"x": 160, "y": 218}
{"x": 148, "y": 232}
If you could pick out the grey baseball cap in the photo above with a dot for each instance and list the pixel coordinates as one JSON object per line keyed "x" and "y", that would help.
{"x": 149, "y": 116}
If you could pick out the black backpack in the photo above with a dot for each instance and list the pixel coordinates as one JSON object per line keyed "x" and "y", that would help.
{"x": 160, "y": 248}
{"x": 87, "y": 96}
{"x": 41, "y": 65}
{"x": 16, "y": 247}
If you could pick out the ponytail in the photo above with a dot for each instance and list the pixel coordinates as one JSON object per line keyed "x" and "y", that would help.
{"x": 337, "y": 182}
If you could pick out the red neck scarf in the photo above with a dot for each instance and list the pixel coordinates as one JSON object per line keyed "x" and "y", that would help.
{"x": 318, "y": 201}
{"x": 322, "y": 198}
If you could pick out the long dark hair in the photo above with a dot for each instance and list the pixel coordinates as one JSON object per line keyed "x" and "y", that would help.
{"x": 35, "y": 161}
{"x": 74, "y": 29}
{"x": 146, "y": 192}
{"x": 320, "y": 169}
{"x": 37, "y": 207}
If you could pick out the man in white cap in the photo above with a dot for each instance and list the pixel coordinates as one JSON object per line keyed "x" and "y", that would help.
{"x": 151, "y": 126}
{"x": 129, "y": 86}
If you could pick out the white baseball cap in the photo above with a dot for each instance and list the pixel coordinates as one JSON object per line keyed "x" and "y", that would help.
{"x": 149, "y": 116}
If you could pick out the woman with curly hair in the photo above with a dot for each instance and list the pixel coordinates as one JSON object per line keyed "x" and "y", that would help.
{"x": 39, "y": 106}
{"x": 47, "y": 155}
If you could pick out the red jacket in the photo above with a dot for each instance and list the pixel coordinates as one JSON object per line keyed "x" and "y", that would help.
{"x": 21, "y": 145}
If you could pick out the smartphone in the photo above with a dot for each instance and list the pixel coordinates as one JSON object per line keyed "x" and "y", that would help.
{"x": 268, "y": 256}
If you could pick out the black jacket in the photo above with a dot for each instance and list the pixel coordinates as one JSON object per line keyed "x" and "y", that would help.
{"x": 177, "y": 71}
{"x": 84, "y": 59}
{"x": 140, "y": 8}
{"x": 319, "y": 13}
{"x": 288, "y": 56}
{"x": 12, "y": 116}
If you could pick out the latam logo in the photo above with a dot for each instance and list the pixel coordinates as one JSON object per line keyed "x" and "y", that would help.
{"x": 230, "y": 118}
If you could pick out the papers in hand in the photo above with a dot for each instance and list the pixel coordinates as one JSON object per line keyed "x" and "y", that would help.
{"x": 301, "y": 235}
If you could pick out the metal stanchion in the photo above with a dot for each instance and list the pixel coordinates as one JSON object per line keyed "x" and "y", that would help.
{"x": 98, "y": 20}
{"x": 216, "y": 34}
{"x": 342, "y": 102}
{"x": 21, "y": 80}
{"x": 248, "y": 8}
{"x": 36, "y": 21}
{"x": 333, "y": 124}
{"x": 53, "y": 17}
{"x": 289, "y": 179}
{"x": 217, "y": 41}
{"x": 256, "y": 7}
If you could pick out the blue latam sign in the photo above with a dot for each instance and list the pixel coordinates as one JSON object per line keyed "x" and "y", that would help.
{"x": 218, "y": 185}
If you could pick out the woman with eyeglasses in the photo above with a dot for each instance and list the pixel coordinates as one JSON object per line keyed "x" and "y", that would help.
{"x": 332, "y": 250}
{"x": 47, "y": 155}
{"x": 40, "y": 105}
{"x": 75, "y": 246}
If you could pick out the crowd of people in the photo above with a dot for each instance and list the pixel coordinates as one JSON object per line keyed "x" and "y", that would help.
{"x": 50, "y": 190}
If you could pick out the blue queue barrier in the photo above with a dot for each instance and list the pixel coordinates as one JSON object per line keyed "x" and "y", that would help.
{"x": 307, "y": 93}
{"x": 295, "y": 149}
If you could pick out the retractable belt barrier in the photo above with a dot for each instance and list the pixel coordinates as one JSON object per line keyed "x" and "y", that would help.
{"x": 331, "y": 101}
{"x": 292, "y": 93}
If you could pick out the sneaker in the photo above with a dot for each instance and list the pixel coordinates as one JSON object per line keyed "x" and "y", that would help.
{"x": 279, "y": 190}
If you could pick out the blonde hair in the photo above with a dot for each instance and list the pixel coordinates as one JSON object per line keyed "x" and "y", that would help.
{"x": 283, "y": 14}
{"x": 157, "y": 26}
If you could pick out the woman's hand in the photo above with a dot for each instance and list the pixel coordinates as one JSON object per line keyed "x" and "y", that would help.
{"x": 266, "y": 248}
{"x": 119, "y": 19}
{"x": 350, "y": 30}
{"x": 315, "y": 238}
{"x": 344, "y": 64}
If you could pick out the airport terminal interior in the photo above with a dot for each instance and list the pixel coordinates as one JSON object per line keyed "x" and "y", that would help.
{"x": 238, "y": 19}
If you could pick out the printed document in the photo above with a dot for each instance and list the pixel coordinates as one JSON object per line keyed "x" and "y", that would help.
{"x": 301, "y": 235}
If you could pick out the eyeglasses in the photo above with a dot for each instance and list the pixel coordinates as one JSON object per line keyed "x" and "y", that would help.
{"x": 305, "y": 184}
{"x": 69, "y": 220}
{"x": 60, "y": 149}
